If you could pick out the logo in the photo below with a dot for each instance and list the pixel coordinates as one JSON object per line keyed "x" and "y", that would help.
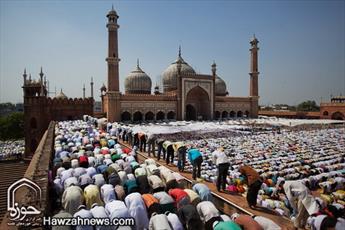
{"x": 23, "y": 197}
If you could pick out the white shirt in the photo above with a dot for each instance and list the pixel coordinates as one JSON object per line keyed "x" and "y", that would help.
{"x": 340, "y": 224}
{"x": 159, "y": 222}
{"x": 140, "y": 172}
{"x": 207, "y": 210}
{"x": 117, "y": 209}
{"x": 108, "y": 193}
{"x": 69, "y": 181}
{"x": 91, "y": 171}
{"x": 66, "y": 174}
{"x": 163, "y": 197}
{"x": 175, "y": 221}
{"x": 137, "y": 210}
{"x": 266, "y": 223}
{"x": 123, "y": 177}
{"x": 155, "y": 181}
{"x": 74, "y": 163}
{"x": 77, "y": 172}
{"x": 219, "y": 157}
{"x": 84, "y": 213}
{"x": 100, "y": 212}
{"x": 98, "y": 180}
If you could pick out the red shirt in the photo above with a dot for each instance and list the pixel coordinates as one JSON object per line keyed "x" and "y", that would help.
{"x": 83, "y": 159}
{"x": 177, "y": 194}
{"x": 126, "y": 150}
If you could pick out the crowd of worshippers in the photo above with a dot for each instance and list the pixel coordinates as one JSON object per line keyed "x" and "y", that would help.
{"x": 260, "y": 164}
{"x": 11, "y": 150}
{"x": 95, "y": 177}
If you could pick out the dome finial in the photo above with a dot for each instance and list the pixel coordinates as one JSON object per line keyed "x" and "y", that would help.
{"x": 137, "y": 62}
{"x": 179, "y": 50}
{"x": 112, "y": 6}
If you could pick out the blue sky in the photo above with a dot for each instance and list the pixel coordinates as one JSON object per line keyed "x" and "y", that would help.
{"x": 301, "y": 57}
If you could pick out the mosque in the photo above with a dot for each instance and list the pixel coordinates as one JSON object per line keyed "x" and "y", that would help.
{"x": 186, "y": 94}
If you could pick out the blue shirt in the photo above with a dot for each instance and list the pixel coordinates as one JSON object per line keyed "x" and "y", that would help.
{"x": 193, "y": 154}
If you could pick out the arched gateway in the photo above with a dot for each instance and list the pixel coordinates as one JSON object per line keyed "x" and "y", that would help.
{"x": 198, "y": 105}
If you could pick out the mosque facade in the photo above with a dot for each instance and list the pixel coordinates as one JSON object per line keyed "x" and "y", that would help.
{"x": 186, "y": 94}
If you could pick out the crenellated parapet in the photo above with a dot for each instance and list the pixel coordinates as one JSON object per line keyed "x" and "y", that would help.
{"x": 59, "y": 101}
{"x": 69, "y": 101}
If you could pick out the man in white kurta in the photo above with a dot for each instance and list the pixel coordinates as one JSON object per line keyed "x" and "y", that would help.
{"x": 137, "y": 210}
{"x": 301, "y": 201}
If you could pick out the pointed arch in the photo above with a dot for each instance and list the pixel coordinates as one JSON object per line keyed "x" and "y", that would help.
{"x": 171, "y": 115}
{"x": 149, "y": 116}
{"x": 137, "y": 116}
{"x": 225, "y": 114}
{"x": 160, "y": 116}
{"x": 126, "y": 116}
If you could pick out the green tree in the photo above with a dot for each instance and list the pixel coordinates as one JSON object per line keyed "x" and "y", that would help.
{"x": 308, "y": 106}
{"x": 12, "y": 126}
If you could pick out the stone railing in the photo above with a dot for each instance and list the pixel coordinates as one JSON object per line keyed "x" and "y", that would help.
{"x": 37, "y": 172}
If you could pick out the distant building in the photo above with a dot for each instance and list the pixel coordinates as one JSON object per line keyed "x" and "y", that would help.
{"x": 19, "y": 107}
{"x": 39, "y": 110}
{"x": 335, "y": 109}
{"x": 186, "y": 94}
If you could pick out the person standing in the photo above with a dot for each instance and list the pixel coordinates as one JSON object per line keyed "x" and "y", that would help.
{"x": 151, "y": 140}
{"x": 254, "y": 183}
{"x": 160, "y": 142}
{"x": 180, "y": 148}
{"x": 168, "y": 147}
{"x": 222, "y": 162}
{"x": 142, "y": 141}
{"x": 195, "y": 158}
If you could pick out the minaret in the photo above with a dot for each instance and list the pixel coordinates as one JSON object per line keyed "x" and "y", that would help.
{"x": 254, "y": 73}
{"x": 214, "y": 74}
{"x": 112, "y": 97}
{"x": 113, "y": 55}
{"x": 84, "y": 91}
{"x": 91, "y": 84}
{"x": 25, "y": 76}
{"x": 41, "y": 82}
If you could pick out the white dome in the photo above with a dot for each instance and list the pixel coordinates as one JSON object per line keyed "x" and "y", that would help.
{"x": 220, "y": 87}
{"x": 138, "y": 82}
{"x": 170, "y": 74}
